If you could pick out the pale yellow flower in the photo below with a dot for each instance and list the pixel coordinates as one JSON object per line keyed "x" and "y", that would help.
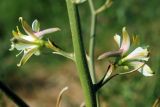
{"x": 31, "y": 42}
{"x": 137, "y": 58}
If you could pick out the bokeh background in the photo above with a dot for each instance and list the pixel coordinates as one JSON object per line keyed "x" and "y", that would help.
{"x": 40, "y": 80}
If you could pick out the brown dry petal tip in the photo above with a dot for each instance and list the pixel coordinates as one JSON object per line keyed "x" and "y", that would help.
{"x": 60, "y": 96}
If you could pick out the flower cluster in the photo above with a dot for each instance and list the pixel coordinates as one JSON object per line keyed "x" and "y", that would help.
{"x": 136, "y": 59}
{"x": 31, "y": 42}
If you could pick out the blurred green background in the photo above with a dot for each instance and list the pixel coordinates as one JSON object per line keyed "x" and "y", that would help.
{"x": 41, "y": 78}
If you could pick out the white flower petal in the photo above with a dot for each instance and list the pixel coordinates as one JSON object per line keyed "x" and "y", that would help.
{"x": 138, "y": 54}
{"x": 136, "y": 64}
{"x": 28, "y": 38}
{"x": 79, "y": 1}
{"x": 125, "y": 42}
{"x": 22, "y": 46}
{"x": 117, "y": 39}
{"x": 142, "y": 68}
{"x": 47, "y": 31}
{"x": 146, "y": 71}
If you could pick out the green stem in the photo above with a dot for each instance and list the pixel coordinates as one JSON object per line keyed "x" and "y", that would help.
{"x": 92, "y": 41}
{"x": 106, "y": 5}
{"x": 101, "y": 83}
{"x": 80, "y": 57}
{"x": 92, "y": 46}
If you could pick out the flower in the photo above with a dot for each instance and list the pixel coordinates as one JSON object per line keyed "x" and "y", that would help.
{"x": 137, "y": 58}
{"x": 30, "y": 43}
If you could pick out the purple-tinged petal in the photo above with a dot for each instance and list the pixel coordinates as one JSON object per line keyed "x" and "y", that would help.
{"x": 47, "y": 31}
{"x": 110, "y": 54}
{"x": 125, "y": 41}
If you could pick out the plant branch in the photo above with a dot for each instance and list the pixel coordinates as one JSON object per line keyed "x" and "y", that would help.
{"x": 17, "y": 100}
{"x": 101, "y": 83}
{"x": 92, "y": 41}
{"x": 106, "y": 5}
{"x": 80, "y": 57}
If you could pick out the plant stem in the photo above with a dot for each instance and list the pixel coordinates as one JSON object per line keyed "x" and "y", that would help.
{"x": 80, "y": 57}
{"x": 92, "y": 46}
{"x": 17, "y": 100}
{"x": 106, "y": 5}
{"x": 101, "y": 83}
{"x": 92, "y": 41}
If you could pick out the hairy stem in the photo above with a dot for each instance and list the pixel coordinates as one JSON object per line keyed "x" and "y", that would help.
{"x": 80, "y": 57}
